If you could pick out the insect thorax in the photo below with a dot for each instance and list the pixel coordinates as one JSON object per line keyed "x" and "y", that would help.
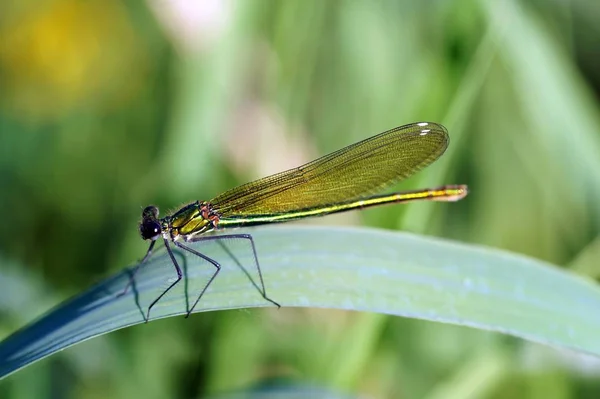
{"x": 193, "y": 219}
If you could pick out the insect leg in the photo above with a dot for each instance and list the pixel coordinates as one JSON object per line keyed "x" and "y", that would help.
{"x": 206, "y": 258}
{"x": 132, "y": 276}
{"x": 179, "y": 277}
{"x": 249, "y": 239}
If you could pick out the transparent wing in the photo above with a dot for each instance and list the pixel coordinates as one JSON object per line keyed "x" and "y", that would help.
{"x": 355, "y": 171}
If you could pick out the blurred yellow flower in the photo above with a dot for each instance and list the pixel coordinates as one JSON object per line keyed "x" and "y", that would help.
{"x": 68, "y": 53}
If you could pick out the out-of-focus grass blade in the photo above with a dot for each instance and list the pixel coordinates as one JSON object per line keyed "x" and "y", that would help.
{"x": 555, "y": 99}
{"x": 347, "y": 268}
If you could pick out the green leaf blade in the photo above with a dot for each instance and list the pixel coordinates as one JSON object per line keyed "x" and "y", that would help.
{"x": 345, "y": 268}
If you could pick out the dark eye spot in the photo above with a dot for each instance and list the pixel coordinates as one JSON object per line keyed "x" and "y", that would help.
{"x": 150, "y": 229}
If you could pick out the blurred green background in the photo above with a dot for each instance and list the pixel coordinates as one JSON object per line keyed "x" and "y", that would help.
{"x": 108, "y": 106}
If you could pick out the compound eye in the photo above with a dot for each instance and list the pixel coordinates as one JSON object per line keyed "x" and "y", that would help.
{"x": 150, "y": 212}
{"x": 150, "y": 229}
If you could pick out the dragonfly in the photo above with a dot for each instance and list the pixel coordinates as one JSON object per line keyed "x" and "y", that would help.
{"x": 348, "y": 179}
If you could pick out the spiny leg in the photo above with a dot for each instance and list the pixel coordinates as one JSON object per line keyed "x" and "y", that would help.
{"x": 211, "y": 261}
{"x": 248, "y": 237}
{"x": 132, "y": 276}
{"x": 179, "y": 276}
